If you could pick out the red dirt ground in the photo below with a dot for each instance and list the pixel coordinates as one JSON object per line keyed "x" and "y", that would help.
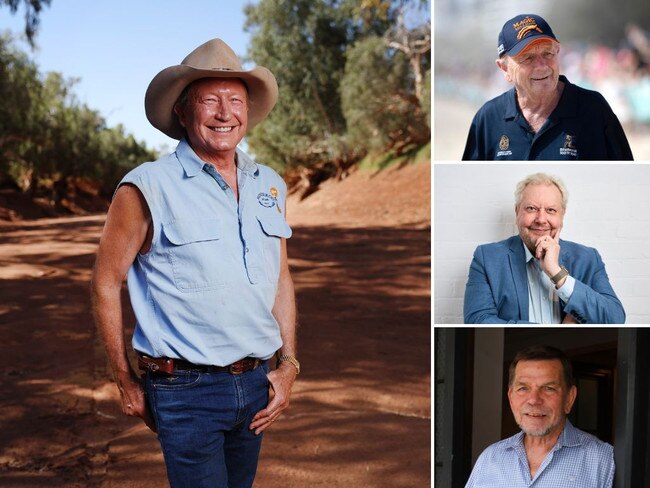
{"x": 360, "y": 413}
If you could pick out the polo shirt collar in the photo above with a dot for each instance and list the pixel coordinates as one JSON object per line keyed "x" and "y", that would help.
{"x": 512, "y": 108}
{"x": 566, "y": 107}
{"x": 193, "y": 165}
{"x": 568, "y": 104}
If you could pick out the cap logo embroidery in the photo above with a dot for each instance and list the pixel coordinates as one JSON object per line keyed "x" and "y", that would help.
{"x": 526, "y": 30}
{"x": 523, "y": 27}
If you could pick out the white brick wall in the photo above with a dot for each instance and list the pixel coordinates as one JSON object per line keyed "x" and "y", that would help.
{"x": 609, "y": 209}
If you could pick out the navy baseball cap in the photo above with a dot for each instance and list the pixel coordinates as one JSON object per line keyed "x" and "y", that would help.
{"x": 520, "y": 31}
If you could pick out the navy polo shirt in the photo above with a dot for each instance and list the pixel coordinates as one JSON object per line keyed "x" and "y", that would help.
{"x": 582, "y": 126}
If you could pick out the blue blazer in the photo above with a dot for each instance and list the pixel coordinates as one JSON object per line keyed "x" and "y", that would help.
{"x": 497, "y": 287}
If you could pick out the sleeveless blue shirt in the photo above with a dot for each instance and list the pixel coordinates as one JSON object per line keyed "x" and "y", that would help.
{"x": 205, "y": 290}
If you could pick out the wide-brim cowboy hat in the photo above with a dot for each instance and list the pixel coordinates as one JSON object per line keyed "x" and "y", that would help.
{"x": 214, "y": 59}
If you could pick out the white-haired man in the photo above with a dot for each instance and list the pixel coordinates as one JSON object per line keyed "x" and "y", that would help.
{"x": 535, "y": 277}
{"x": 544, "y": 116}
{"x": 202, "y": 235}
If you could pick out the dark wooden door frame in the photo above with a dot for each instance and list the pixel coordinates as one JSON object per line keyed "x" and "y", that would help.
{"x": 453, "y": 376}
{"x": 632, "y": 409}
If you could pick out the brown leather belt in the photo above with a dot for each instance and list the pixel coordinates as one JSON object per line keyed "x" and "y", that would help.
{"x": 169, "y": 365}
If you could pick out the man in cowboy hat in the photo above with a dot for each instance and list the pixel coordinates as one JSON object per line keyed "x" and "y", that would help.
{"x": 544, "y": 117}
{"x": 201, "y": 234}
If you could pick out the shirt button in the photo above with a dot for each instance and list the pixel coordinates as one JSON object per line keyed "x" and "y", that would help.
{"x": 247, "y": 249}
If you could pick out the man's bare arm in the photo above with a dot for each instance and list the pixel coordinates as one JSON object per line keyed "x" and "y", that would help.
{"x": 282, "y": 379}
{"x": 126, "y": 232}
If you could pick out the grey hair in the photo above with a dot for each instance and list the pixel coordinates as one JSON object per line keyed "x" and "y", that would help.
{"x": 541, "y": 179}
{"x": 543, "y": 353}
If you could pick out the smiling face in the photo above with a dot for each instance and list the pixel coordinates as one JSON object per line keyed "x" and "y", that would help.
{"x": 215, "y": 117}
{"x": 539, "y": 213}
{"x": 539, "y": 397}
{"x": 535, "y": 72}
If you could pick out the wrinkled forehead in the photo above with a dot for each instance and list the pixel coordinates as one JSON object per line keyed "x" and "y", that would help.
{"x": 204, "y": 85}
{"x": 538, "y": 370}
{"x": 542, "y": 192}
{"x": 539, "y": 46}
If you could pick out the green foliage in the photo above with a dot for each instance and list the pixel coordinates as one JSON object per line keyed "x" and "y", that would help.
{"x": 32, "y": 11}
{"x": 378, "y": 103}
{"x": 335, "y": 73}
{"x": 47, "y": 136}
{"x": 303, "y": 43}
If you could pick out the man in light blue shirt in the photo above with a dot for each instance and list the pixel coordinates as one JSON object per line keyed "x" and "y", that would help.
{"x": 202, "y": 235}
{"x": 549, "y": 452}
{"x": 535, "y": 277}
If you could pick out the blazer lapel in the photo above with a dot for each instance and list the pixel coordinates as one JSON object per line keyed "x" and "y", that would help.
{"x": 517, "y": 258}
{"x": 563, "y": 262}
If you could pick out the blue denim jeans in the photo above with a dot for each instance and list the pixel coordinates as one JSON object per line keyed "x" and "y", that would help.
{"x": 203, "y": 420}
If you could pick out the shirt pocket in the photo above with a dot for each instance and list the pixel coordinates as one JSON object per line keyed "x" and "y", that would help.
{"x": 273, "y": 228}
{"x": 274, "y": 225}
{"x": 194, "y": 249}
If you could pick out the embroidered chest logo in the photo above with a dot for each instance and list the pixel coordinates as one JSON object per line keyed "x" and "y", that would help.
{"x": 504, "y": 144}
{"x": 569, "y": 148}
{"x": 270, "y": 199}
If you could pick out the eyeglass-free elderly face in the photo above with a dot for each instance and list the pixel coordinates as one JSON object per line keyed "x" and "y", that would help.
{"x": 540, "y": 399}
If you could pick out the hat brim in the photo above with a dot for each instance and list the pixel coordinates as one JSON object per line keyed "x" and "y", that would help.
{"x": 166, "y": 87}
{"x": 528, "y": 41}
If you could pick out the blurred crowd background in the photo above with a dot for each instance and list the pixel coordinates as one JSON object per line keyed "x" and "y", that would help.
{"x": 605, "y": 46}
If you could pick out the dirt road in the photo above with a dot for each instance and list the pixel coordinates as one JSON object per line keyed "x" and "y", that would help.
{"x": 360, "y": 413}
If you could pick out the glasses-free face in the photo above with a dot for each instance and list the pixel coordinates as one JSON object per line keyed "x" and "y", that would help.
{"x": 215, "y": 116}
{"x": 539, "y": 398}
{"x": 535, "y": 72}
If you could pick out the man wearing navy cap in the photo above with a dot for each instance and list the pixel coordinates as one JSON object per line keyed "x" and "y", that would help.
{"x": 544, "y": 116}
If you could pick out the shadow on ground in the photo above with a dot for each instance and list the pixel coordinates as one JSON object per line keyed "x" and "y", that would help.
{"x": 360, "y": 413}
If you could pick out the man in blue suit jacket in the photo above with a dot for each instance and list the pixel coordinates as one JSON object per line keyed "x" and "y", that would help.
{"x": 535, "y": 277}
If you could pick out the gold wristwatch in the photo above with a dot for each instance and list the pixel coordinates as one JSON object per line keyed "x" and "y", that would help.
{"x": 290, "y": 359}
